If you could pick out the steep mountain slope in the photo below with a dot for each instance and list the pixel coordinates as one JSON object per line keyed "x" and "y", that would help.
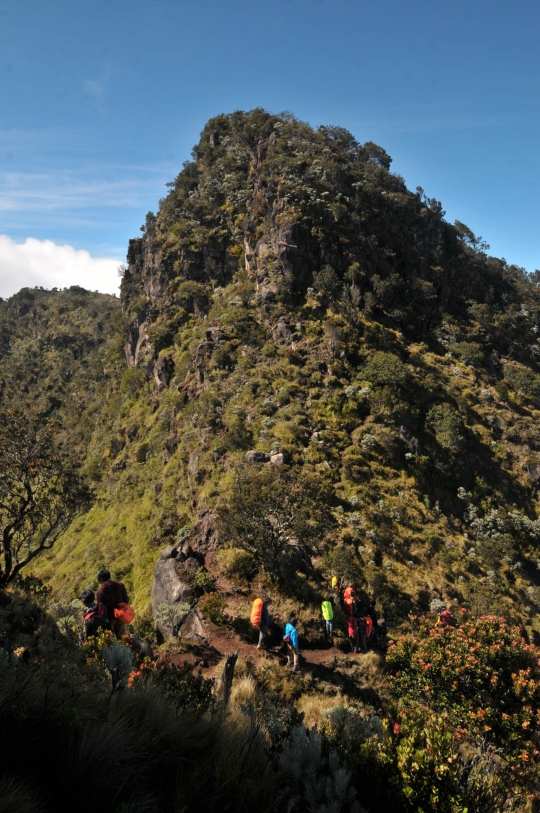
{"x": 292, "y": 297}
{"x": 61, "y": 354}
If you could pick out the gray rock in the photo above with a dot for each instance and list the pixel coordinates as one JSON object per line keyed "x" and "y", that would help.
{"x": 163, "y": 371}
{"x": 269, "y": 292}
{"x": 167, "y": 587}
{"x": 186, "y": 569}
{"x": 117, "y": 444}
{"x": 192, "y": 627}
{"x": 202, "y": 538}
{"x": 254, "y": 456}
{"x": 166, "y": 553}
{"x": 278, "y": 459}
{"x": 281, "y": 331}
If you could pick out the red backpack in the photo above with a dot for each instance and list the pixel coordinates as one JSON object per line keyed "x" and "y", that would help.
{"x": 124, "y": 613}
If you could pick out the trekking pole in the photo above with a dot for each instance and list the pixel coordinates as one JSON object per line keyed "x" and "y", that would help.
{"x": 227, "y": 676}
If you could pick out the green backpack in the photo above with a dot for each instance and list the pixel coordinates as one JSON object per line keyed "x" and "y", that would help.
{"x": 327, "y": 610}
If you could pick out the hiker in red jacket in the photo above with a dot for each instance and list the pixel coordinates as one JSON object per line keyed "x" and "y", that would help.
{"x": 349, "y": 599}
{"x": 111, "y": 594}
{"x": 352, "y": 632}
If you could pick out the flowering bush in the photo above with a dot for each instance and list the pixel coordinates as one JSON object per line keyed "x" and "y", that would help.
{"x": 179, "y": 683}
{"x": 35, "y": 585}
{"x": 464, "y": 697}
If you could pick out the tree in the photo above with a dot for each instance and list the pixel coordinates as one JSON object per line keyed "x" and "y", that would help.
{"x": 41, "y": 491}
{"x": 269, "y": 510}
{"x": 447, "y": 427}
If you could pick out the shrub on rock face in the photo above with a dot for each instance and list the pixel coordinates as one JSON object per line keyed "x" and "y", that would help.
{"x": 467, "y": 704}
{"x": 237, "y": 563}
{"x": 212, "y": 607}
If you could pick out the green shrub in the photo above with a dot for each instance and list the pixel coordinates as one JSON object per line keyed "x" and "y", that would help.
{"x": 385, "y": 369}
{"x": 212, "y": 607}
{"x": 237, "y": 563}
{"x": 446, "y": 424}
{"x": 132, "y": 381}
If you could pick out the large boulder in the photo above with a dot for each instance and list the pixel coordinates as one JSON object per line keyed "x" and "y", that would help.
{"x": 169, "y": 590}
{"x": 192, "y": 627}
{"x": 174, "y": 576}
{"x": 255, "y": 456}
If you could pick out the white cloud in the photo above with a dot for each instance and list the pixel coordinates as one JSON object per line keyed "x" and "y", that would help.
{"x": 44, "y": 263}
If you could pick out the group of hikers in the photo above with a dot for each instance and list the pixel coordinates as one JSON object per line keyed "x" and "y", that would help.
{"x": 363, "y": 624}
{"x": 109, "y": 609}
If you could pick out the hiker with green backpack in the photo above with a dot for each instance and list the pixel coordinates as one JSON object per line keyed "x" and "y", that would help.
{"x": 327, "y": 608}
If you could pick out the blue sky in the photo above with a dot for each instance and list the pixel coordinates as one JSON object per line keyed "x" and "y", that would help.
{"x": 101, "y": 102}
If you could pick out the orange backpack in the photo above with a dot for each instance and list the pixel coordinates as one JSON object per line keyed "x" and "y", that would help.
{"x": 124, "y": 613}
{"x": 256, "y": 612}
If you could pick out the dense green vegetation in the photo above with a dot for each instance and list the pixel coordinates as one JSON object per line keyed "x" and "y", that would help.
{"x": 292, "y": 298}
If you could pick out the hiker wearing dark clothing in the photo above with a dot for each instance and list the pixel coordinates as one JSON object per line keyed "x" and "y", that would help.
{"x": 290, "y": 638}
{"x": 362, "y": 634}
{"x": 111, "y": 594}
{"x": 265, "y": 625}
{"x": 382, "y": 628}
{"x": 95, "y": 617}
{"x": 352, "y": 632}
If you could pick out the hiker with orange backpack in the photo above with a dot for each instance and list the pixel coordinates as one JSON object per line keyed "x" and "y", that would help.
{"x": 114, "y": 597}
{"x": 95, "y": 617}
{"x": 260, "y": 619}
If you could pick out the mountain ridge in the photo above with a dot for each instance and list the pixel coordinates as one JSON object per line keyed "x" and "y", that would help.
{"x": 291, "y": 296}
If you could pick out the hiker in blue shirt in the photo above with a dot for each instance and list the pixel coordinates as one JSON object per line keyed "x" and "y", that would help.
{"x": 290, "y": 637}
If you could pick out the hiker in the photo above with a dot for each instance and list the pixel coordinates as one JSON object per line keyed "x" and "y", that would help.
{"x": 382, "y": 629}
{"x": 260, "y": 618}
{"x": 112, "y": 595}
{"x": 327, "y": 608}
{"x": 446, "y": 619}
{"x": 290, "y": 637}
{"x": 352, "y": 632}
{"x": 369, "y": 627}
{"x": 95, "y": 618}
{"x": 362, "y": 634}
{"x": 349, "y": 599}
{"x": 6, "y": 650}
